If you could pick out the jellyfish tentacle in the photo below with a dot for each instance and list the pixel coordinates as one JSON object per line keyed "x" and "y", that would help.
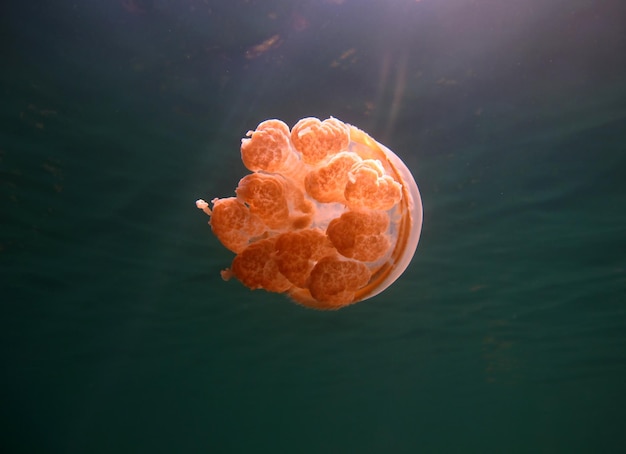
{"x": 334, "y": 281}
{"x": 233, "y": 223}
{"x": 256, "y": 268}
{"x": 368, "y": 187}
{"x": 316, "y": 139}
{"x": 360, "y": 235}
{"x": 267, "y": 147}
{"x": 328, "y": 182}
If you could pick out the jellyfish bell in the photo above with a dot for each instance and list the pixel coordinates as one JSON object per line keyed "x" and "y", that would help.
{"x": 327, "y": 215}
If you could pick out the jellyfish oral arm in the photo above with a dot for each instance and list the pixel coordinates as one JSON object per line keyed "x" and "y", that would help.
{"x": 201, "y": 204}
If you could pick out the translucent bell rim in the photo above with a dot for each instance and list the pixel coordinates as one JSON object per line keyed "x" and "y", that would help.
{"x": 410, "y": 224}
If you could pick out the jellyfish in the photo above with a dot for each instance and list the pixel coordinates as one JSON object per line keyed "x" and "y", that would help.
{"x": 327, "y": 216}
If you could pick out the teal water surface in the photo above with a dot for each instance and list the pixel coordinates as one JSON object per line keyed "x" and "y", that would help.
{"x": 507, "y": 333}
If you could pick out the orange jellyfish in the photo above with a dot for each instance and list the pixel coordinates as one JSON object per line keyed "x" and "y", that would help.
{"x": 328, "y": 215}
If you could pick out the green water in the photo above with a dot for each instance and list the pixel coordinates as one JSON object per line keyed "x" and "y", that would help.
{"x": 507, "y": 333}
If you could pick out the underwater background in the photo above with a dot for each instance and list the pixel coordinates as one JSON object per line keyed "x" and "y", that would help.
{"x": 507, "y": 333}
